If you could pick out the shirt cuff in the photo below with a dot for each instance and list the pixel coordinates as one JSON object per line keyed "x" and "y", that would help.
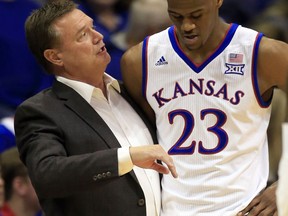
{"x": 125, "y": 164}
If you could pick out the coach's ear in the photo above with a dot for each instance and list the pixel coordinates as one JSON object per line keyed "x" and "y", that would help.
{"x": 53, "y": 56}
{"x": 219, "y": 3}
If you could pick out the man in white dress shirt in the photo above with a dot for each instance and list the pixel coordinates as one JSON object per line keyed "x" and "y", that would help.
{"x": 81, "y": 138}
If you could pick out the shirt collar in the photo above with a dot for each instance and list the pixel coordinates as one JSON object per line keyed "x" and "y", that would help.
{"x": 86, "y": 90}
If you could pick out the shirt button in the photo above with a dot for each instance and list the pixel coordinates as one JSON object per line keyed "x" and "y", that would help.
{"x": 108, "y": 174}
{"x": 141, "y": 202}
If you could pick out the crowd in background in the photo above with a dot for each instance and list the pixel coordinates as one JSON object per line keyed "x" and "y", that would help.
{"x": 123, "y": 24}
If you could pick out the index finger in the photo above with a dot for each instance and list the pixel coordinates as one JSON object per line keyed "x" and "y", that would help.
{"x": 171, "y": 166}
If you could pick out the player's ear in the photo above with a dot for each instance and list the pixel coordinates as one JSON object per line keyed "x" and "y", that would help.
{"x": 53, "y": 56}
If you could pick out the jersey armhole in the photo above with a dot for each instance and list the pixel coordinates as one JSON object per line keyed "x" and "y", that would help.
{"x": 144, "y": 66}
{"x": 259, "y": 98}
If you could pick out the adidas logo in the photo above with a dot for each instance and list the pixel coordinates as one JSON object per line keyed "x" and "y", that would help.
{"x": 161, "y": 61}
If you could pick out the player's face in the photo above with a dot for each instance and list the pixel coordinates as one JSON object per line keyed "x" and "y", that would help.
{"x": 195, "y": 21}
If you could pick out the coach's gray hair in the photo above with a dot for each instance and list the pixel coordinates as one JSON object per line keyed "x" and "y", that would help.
{"x": 39, "y": 30}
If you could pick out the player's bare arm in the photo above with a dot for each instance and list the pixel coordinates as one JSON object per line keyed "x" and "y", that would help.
{"x": 272, "y": 64}
{"x": 131, "y": 68}
{"x": 272, "y": 72}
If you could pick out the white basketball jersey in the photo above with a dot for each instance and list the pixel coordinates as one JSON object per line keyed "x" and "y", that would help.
{"x": 211, "y": 119}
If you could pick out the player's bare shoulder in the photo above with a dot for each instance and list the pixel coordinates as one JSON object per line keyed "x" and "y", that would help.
{"x": 270, "y": 46}
{"x": 131, "y": 68}
{"x": 131, "y": 61}
{"x": 273, "y": 61}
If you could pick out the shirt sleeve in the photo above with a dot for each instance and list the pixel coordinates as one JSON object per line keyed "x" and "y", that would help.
{"x": 125, "y": 164}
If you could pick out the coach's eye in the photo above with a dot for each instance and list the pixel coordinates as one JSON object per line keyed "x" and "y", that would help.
{"x": 83, "y": 35}
{"x": 196, "y": 16}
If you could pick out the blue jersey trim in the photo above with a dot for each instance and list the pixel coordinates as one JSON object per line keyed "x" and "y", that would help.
{"x": 144, "y": 67}
{"x": 254, "y": 73}
{"x": 187, "y": 60}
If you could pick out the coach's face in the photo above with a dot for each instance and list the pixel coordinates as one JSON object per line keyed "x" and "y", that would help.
{"x": 195, "y": 21}
{"x": 81, "y": 54}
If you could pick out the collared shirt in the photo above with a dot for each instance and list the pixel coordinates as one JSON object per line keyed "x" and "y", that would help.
{"x": 128, "y": 128}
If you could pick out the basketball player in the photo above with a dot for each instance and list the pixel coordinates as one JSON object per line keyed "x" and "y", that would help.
{"x": 208, "y": 86}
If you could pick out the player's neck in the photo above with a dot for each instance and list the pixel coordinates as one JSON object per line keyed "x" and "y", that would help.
{"x": 198, "y": 56}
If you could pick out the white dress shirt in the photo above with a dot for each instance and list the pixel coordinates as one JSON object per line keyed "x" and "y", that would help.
{"x": 128, "y": 128}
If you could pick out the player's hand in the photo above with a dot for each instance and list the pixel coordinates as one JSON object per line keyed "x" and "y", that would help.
{"x": 262, "y": 205}
{"x": 147, "y": 156}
